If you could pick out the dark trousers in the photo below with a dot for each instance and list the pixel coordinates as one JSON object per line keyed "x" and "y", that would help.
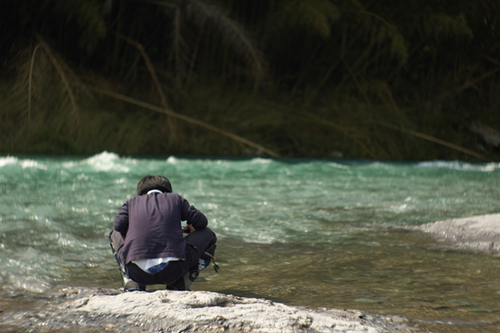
{"x": 197, "y": 243}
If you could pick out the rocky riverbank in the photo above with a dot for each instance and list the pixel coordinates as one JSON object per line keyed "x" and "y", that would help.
{"x": 480, "y": 233}
{"x": 97, "y": 310}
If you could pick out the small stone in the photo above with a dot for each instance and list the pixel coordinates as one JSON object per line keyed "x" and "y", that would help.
{"x": 81, "y": 302}
{"x": 398, "y": 319}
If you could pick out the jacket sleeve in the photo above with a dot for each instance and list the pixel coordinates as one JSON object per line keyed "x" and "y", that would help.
{"x": 192, "y": 215}
{"x": 121, "y": 220}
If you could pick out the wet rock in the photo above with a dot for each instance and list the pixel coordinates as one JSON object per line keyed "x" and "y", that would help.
{"x": 190, "y": 311}
{"x": 476, "y": 232}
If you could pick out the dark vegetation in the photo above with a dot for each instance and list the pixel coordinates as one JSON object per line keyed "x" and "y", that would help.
{"x": 415, "y": 79}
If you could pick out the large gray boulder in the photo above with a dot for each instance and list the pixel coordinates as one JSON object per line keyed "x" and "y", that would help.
{"x": 480, "y": 232}
{"x": 191, "y": 311}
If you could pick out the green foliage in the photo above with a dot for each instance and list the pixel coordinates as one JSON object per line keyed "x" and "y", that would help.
{"x": 89, "y": 15}
{"x": 80, "y": 22}
{"x": 313, "y": 15}
{"x": 390, "y": 34}
{"x": 304, "y": 77}
{"x": 444, "y": 27}
{"x": 233, "y": 32}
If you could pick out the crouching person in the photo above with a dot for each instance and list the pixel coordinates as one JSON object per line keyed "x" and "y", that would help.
{"x": 148, "y": 241}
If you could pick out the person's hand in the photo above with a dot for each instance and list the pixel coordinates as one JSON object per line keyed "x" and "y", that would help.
{"x": 188, "y": 229}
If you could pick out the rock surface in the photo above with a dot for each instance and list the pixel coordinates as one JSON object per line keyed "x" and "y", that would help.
{"x": 95, "y": 310}
{"x": 476, "y": 232}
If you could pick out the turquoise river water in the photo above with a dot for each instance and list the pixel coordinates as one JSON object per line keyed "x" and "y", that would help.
{"x": 316, "y": 233}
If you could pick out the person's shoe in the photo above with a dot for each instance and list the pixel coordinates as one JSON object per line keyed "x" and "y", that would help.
{"x": 131, "y": 285}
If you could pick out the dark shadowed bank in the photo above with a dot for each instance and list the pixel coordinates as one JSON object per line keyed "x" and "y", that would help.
{"x": 392, "y": 80}
{"x": 78, "y": 309}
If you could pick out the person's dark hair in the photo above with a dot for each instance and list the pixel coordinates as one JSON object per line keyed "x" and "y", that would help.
{"x": 148, "y": 183}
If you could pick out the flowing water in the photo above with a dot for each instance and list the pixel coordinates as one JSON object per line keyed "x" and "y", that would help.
{"x": 317, "y": 233}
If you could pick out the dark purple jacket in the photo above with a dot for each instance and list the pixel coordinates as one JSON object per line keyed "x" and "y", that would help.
{"x": 151, "y": 226}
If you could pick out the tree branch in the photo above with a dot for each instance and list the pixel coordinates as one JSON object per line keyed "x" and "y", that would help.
{"x": 435, "y": 140}
{"x": 151, "y": 69}
{"x": 60, "y": 70}
{"x": 185, "y": 118}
